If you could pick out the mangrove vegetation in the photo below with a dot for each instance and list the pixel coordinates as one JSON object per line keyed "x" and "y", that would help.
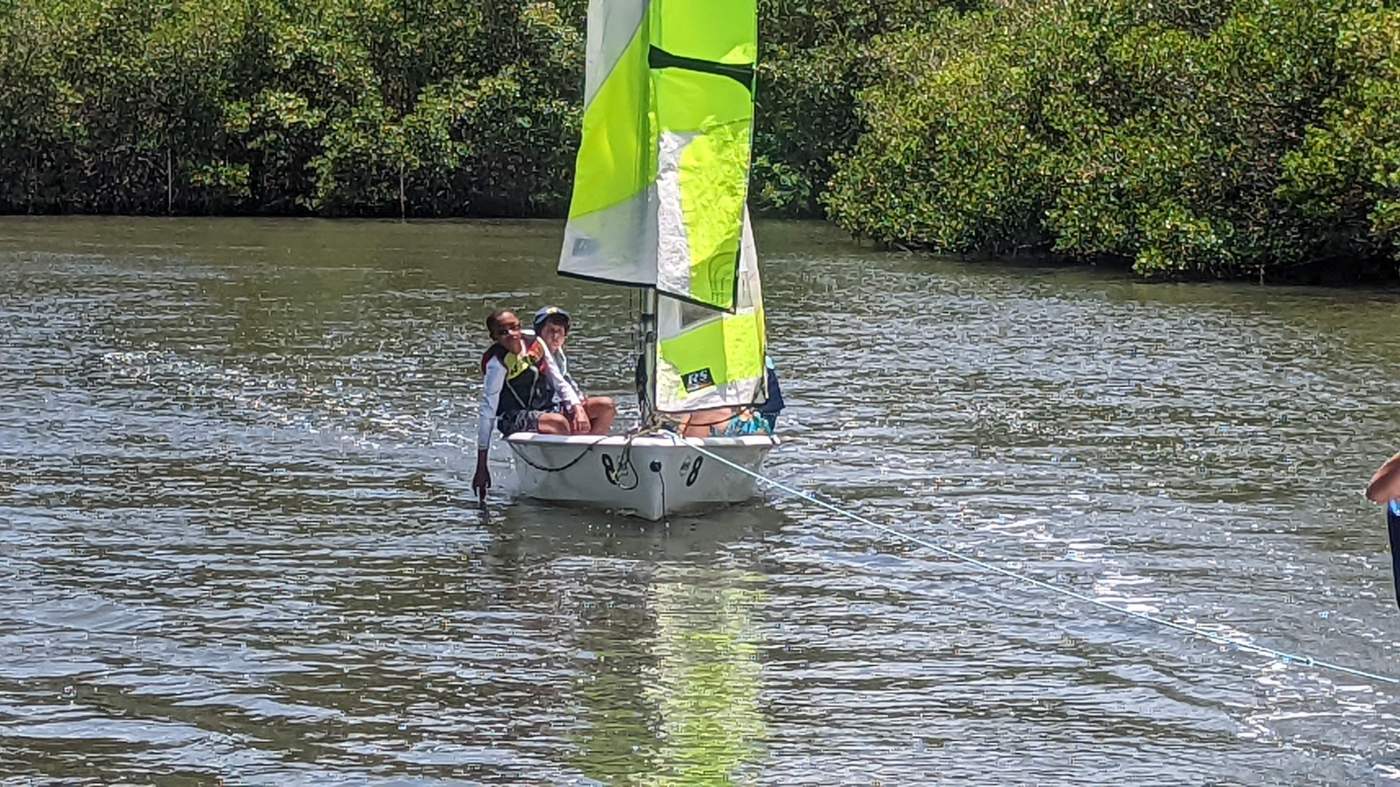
{"x": 1219, "y": 138}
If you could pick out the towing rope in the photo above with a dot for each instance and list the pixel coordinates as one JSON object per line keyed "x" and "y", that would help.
{"x": 1186, "y": 628}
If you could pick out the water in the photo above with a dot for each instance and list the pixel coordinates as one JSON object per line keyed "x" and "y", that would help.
{"x": 236, "y": 537}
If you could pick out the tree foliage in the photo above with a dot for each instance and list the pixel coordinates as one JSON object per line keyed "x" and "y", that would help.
{"x": 1212, "y": 138}
{"x": 334, "y": 107}
{"x": 370, "y": 107}
{"x": 1198, "y": 137}
{"x": 816, "y": 57}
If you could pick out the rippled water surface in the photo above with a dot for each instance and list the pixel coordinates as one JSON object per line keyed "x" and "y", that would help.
{"x": 237, "y": 540}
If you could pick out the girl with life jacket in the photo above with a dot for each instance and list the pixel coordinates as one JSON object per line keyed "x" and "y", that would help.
{"x": 518, "y": 393}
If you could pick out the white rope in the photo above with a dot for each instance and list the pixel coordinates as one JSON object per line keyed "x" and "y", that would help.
{"x": 1221, "y": 639}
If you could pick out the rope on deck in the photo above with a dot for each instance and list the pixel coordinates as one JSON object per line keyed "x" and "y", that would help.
{"x": 1186, "y": 628}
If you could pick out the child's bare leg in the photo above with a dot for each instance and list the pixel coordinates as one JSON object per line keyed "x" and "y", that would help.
{"x": 601, "y": 412}
{"x": 698, "y": 423}
{"x": 554, "y": 423}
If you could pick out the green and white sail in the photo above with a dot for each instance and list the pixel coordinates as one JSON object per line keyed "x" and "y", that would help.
{"x": 661, "y": 183}
{"x": 707, "y": 358}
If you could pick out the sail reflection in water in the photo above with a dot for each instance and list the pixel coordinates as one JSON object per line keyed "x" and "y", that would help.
{"x": 680, "y": 705}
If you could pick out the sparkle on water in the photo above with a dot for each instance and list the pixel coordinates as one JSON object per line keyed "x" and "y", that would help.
{"x": 237, "y": 540}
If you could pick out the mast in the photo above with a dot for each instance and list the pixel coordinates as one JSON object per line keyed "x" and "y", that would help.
{"x": 646, "y": 382}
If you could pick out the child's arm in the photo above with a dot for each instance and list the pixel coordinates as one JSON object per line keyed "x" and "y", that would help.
{"x": 492, "y": 383}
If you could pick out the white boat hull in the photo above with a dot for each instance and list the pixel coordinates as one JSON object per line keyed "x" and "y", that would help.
{"x": 654, "y": 476}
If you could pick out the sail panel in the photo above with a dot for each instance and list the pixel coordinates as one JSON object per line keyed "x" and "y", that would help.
{"x": 701, "y": 97}
{"x": 611, "y": 230}
{"x": 604, "y": 245}
{"x": 668, "y": 129}
{"x": 720, "y": 31}
{"x": 615, "y": 159}
{"x": 706, "y": 358}
{"x": 614, "y": 26}
{"x": 706, "y": 123}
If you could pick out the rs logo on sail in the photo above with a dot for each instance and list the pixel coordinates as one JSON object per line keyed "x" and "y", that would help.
{"x": 694, "y": 381}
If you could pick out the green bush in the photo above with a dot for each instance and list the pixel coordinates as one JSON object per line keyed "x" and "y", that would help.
{"x": 329, "y": 106}
{"x": 1196, "y": 138}
{"x": 1345, "y": 177}
{"x": 815, "y": 57}
{"x": 1217, "y": 139}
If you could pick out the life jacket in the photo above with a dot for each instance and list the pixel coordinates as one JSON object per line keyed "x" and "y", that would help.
{"x": 527, "y": 385}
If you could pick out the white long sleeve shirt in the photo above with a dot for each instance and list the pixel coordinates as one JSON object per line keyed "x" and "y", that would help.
{"x": 562, "y": 361}
{"x": 495, "y": 380}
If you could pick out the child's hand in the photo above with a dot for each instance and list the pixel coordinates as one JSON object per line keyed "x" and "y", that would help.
{"x": 481, "y": 481}
{"x": 579, "y": 421}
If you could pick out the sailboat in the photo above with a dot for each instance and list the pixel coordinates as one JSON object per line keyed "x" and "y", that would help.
{"x": 659, "y": 204}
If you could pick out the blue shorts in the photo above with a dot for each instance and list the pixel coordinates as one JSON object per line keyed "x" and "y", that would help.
{"x": 745, "y": 423}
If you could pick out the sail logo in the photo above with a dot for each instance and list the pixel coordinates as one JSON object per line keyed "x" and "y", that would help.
{"x": 585, "y": 246}
{"x": 694, "y": 381}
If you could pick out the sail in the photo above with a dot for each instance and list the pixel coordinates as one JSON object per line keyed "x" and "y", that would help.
{"x": 662, "y": 172}
{"x": 706, "y": 358}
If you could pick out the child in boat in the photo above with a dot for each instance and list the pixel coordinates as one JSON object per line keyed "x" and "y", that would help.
{"x": 552, "y": 325}
{"x": 518, "y": 394}
{"x": 739, "y": 421}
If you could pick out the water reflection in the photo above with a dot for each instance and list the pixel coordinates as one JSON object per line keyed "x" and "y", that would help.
{"x": 669, "y": 690}
{"x": 664, "y": 620}
{"x": 707, "y": 681}
{"x": 237, "y": 539}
